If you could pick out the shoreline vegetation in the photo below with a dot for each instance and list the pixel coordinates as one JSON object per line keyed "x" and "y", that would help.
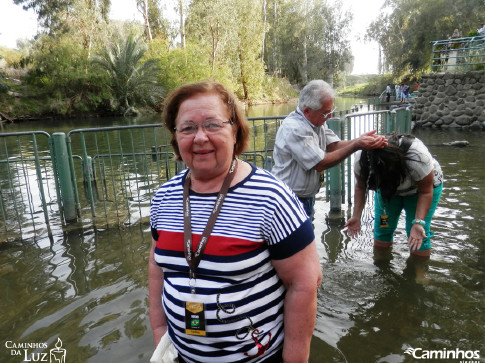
{"x": 82, "y": 63}
{"x": 21, "y": 103}
{"x": 14, "y": 101}
{"x": 21, "y": 100}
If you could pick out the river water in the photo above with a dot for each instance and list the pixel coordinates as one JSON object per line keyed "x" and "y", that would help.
{"x": 86, "y": 288}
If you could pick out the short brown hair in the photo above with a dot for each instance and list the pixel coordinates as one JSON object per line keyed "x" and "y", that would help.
{"x": 184, "y": 92}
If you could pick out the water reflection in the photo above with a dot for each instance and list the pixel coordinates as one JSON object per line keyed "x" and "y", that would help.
{"x": 370, "y": 313}
{"x": 88, "y": 286}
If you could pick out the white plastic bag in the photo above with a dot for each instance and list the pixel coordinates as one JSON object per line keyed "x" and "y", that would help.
{"x": 165, "y": 352}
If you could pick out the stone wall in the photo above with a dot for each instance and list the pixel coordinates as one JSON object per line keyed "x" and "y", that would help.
{"x": 451, "y": 100}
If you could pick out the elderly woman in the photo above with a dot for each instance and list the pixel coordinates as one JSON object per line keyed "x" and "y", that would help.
{"x": 233, "y": 270}
{"x": 405, "y": 176}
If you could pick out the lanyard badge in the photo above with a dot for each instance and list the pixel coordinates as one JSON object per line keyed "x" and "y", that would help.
{"x": 193, "y": 258}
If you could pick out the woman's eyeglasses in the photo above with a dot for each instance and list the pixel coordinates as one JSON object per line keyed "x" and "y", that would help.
{"x": 211, "y": 126}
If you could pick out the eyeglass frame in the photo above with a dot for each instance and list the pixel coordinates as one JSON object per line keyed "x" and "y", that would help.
{"x": 326, "y": 114}
{"x": 192, "y": 123}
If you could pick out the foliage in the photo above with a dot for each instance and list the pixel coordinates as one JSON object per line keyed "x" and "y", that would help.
{"x": 231, "y": 33}
{"x": 132, "y": 81}
{"x": 184, "y": 65}
{"x": 159, "y": 25}
{"x": 279, "y": 89}
{"x": 12, "y": 57}
{"x": 405, "y": 28}
{"x": 61, "y": 74}
{"x": 53, "y": 15}
{"x": 82, "y": 62}
{"x": 306, "y": 40}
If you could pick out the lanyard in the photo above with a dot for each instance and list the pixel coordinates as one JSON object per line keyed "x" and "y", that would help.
{"x": 193, "y": 258}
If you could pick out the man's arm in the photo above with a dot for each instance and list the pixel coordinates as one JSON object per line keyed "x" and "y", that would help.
{"x": 338, "y": 151}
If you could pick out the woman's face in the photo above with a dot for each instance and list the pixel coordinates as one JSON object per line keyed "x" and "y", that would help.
{"x": 207, "y": 154}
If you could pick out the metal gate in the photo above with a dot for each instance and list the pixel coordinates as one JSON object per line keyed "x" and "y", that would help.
{"x": 107, "y": 176}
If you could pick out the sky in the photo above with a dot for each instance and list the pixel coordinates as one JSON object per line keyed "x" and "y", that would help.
{"x": 16, "y": 23}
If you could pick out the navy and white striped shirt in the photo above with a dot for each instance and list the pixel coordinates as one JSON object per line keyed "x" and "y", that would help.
{"x": 260, "y": 220}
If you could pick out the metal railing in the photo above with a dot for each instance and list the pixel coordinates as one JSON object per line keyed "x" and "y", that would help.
{"x": 107, "y": 176}
{"x": 339, "y": 179}
{"x": 460, "y": 54}
{"x": 28, "y": 193}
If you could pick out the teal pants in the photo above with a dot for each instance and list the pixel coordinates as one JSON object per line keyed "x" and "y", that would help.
{"x": 393, "y": 209}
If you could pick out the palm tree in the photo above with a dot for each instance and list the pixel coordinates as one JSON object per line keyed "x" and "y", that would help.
{"x": 132, "y": 82}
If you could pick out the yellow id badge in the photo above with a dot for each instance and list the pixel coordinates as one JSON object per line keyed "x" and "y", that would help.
{"x": 194, "y": 318}
{"x": 384, "y": 221}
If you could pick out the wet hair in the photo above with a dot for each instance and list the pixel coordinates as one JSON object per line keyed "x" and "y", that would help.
{"x": 314, "y": 93}
{"x": 386, "y": 168}
{"x": 236, "y": 115}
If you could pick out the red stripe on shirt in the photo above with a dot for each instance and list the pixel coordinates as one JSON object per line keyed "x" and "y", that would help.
{"x": 216, "y": 246}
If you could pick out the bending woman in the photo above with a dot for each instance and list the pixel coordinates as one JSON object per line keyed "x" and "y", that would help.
{"x": 405, "y": 176}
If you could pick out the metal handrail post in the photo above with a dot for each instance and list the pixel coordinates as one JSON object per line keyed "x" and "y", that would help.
{"x": 40, "y": 183}
{"x": 73, "y": 176}
{"x": 64, "y": 175}
{"x": 334, "y": 174}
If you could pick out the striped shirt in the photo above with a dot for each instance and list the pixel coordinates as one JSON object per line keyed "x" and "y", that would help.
{"x": 299, "y": 146}
{"x": 260, "y": 220}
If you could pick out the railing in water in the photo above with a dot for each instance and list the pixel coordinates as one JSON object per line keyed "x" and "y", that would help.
{"x": 460, "y": 54}
{"x": 107, "y": 176}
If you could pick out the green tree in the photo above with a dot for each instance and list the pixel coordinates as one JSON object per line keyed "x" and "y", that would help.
{"x": 132, "y": 80}
{"x": 88, "y": 18}
{"x": 248, "y": 45}
{"x": 405, "y": 28}
{"x": 307, "y": 39}
{"x": 52, "y": 14}
{"x": 232, "y": 33}
{"x": 160, "y": 27}
{"x": 61, "y": 76}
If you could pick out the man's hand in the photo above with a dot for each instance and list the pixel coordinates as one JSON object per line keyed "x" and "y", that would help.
{"x": 370, "y": 140}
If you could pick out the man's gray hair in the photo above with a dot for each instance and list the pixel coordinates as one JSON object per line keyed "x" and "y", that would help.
{"x": 314, "y": 93}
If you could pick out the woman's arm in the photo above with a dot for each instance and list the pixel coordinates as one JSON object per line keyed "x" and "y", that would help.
{"x": 155, "y": 287}
{"x": 353, "y": 224}
{"x": 425, "y": 197}
{"x": 301, "y": 275}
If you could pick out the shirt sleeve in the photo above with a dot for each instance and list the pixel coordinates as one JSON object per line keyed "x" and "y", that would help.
{"x": 290, "y": 229}
{"x": 330, "y": 136}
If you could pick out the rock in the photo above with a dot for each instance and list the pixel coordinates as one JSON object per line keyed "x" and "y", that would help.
{"x": 457, "y": 143}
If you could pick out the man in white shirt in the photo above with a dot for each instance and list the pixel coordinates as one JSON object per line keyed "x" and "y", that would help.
{"x": 305, "y": 146}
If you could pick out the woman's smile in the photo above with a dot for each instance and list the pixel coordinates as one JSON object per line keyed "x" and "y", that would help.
{"x": 207, "y": 153}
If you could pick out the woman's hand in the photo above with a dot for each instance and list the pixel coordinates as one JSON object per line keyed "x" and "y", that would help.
{"x": 158, "y": 333}
{"x": 416, "y": 237}
{"x": 353, "y": 227}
